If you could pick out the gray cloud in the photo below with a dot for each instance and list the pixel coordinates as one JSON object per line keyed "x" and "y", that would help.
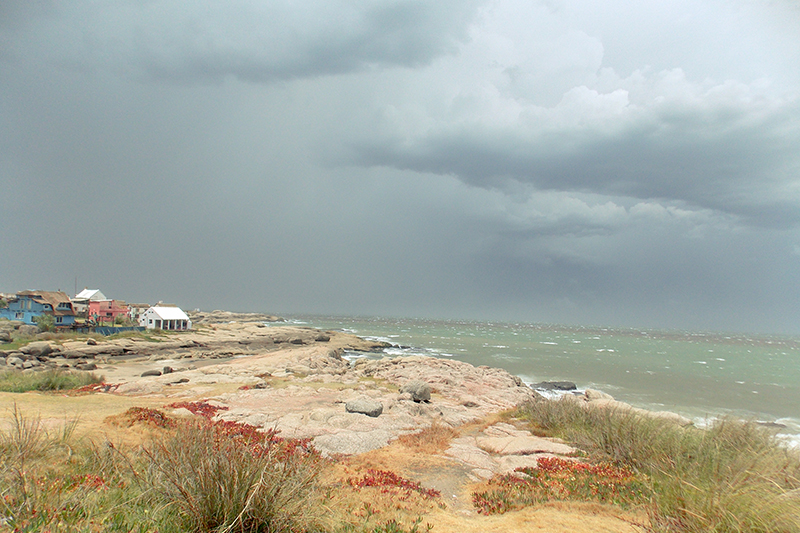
{"x": 250, "y": 40}
{"x": 738, "y": 157}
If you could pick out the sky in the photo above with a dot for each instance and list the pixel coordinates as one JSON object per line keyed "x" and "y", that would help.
{"x": 598, "y": 162}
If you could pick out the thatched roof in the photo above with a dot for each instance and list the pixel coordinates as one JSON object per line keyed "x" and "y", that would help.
{"x": 54, "y": 298}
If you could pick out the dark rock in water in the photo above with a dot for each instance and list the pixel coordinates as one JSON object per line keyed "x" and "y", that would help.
{"x": 364, "y": 406}
{"x": 772, "y": 425}
{"x": 419, "y": 390}
{"x": 554, "y": 385}
{"x": 147, "y": 373}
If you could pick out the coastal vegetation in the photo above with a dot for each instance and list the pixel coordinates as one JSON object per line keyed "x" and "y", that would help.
{"x": 195, "y": 475}
{"x": 733, "y": 476}
{"x": 46, "y": 380}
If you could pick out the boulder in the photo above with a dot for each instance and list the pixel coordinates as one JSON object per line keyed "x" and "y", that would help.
{"x": 27, "y": 330}
{"x": 594, "y": 395}
{"x": 37, "y": 349}
{"x": 86, "y": 366}
{"x": 14, "y": 361}
{"x": 364, "y": 406}
{"x": 5, "y": 336}
{"x": 147, "y": 373}
{"x": 91, "y": 342}
{"x": 674, "y": 418}
{"x": 419, "y": 390}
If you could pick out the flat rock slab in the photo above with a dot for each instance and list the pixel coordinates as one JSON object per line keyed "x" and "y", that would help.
{"x": 528, "y": 445}
{"x": 351, "y": 442}
{"x": 502, "y": 448}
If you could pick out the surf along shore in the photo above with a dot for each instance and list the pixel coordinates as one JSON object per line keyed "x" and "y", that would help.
{"x": 361, "y": 415}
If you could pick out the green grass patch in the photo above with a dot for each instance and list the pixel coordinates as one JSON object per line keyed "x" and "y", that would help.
{"x": 731, "y": 477}
{"x": 46, "y": 380}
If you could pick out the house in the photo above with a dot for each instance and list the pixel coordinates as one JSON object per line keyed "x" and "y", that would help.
{"x": 27, "y": 305}
{"x": 107, "y": 310}
{"x": 81, "y": 300}
{"x": 135, "y": 311}
{"x": 168, "y": 318}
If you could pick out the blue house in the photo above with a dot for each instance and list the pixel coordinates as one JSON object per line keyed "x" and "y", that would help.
{"x": 26, "y": 305}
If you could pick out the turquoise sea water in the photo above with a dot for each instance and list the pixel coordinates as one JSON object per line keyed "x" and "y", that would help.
{"x": 700, "y": 375}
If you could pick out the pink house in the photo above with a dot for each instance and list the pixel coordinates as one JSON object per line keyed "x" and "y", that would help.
{"x": 107, "y": 310}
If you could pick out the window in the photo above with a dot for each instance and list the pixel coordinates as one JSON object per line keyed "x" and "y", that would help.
{"x": 59, "y": 319}
{"x": 19, "y": 315}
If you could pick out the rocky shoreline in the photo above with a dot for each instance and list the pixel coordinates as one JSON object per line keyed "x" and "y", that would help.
{"x": 295, "y": 380}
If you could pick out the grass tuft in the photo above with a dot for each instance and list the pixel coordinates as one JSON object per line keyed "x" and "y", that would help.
{"x": 214, "y": 479}
{"x": 46, "y": 380}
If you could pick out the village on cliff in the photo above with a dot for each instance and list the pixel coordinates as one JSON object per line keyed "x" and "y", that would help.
{"x": 90, "y": 308}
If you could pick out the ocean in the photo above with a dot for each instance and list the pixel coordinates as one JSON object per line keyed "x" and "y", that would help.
{"x": 699, "y": 375}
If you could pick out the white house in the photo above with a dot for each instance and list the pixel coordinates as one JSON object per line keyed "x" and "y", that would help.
{"x": 169, "y": 318}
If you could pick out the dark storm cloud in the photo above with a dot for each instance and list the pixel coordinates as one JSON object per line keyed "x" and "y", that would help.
{"x": 736, "y": 158}
{"x": 250, "y": 40}
{"x": 606, "y": 162}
